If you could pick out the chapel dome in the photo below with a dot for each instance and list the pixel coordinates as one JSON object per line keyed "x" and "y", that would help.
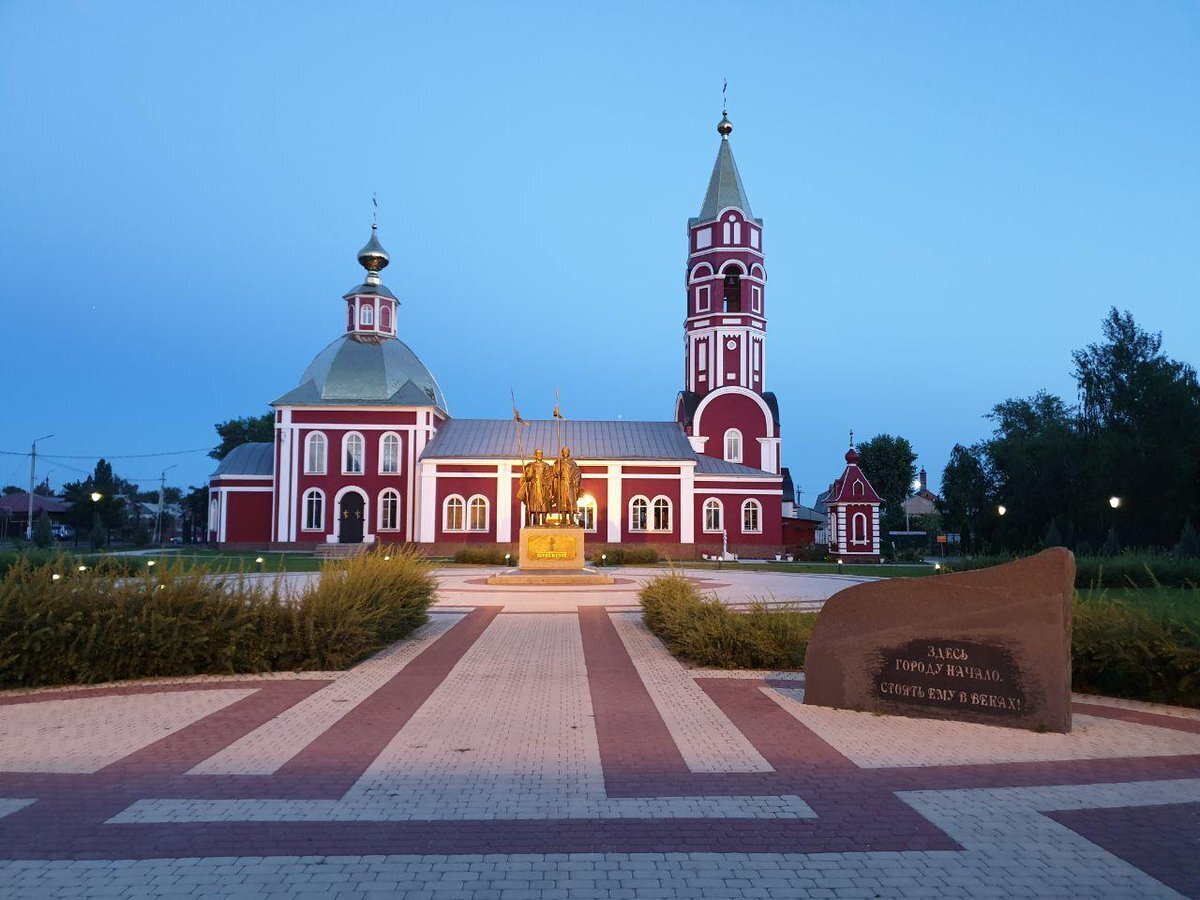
{"x": 370, "y": 372}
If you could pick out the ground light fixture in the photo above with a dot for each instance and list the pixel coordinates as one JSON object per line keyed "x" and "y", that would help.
{"x": 258, "y": 560}
{"x": 387, "y": 559}
{"x": 1114, "y": 502}
{"x": 55, "y": 577}
{"x": 150, "y": 564}
{"x": 83, "y": 568}
{"x": 937, "y": 567}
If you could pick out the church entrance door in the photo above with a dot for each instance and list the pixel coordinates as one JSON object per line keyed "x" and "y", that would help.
{"x": 350, "y": 530}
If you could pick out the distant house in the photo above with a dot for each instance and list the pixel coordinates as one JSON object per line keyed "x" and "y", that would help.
{"x": 14, "y": 512}
{"x": 802, "y": 525}
{"x": 924, "y": 502}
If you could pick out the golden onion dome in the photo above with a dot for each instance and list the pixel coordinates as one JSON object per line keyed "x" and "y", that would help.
{"x": 372, "y": 256}
{"x": 724, "y": 126}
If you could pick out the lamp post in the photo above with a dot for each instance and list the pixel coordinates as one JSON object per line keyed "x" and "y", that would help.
{"x": 1001, "y": 510}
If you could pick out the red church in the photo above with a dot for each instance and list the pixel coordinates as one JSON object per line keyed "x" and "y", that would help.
{"x": 366, "y": 450}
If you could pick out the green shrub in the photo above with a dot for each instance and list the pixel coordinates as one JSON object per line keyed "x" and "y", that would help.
{"x": 1125, "y": 570}
{"x": 485, "y": 555}
{"x": 705, "y": 631}
{"x": 626, "y": 556}
{"x": 43, "y": 534}
{"x": 103, "y": 624}
{"x": 1122, "y": 650}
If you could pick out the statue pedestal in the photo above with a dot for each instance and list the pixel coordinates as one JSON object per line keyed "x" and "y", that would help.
{"x": 551, "y": 555}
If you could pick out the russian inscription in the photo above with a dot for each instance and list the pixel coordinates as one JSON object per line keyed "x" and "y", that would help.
{"x": 965, "y": 675}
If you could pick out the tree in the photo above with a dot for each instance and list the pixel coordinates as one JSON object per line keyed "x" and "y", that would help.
{"x": 1189, "y": 543}
{"x": 109, "y": 510}
{"x": 1112, "y": 544}
{"x": 43, "y": 536}
{"x": 195, "y": 514}
{"x": 11, "y": 489}
{"x": 1053, "y": 537}
{"x": 890, "y": 465}
{"x": 248, "y": 429}
{"x": 43, "y": 489}
{"x": 966, "y": 491}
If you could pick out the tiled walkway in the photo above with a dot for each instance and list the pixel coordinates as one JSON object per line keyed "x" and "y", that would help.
{"x": 544, "y": 745}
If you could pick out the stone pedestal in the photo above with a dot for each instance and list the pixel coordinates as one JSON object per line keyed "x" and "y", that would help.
{"x": 991, "y": 646}
{"x": 551, "y": 555}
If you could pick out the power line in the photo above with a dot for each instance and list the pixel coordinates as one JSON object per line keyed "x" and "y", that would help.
{"x": 107, "y": 457}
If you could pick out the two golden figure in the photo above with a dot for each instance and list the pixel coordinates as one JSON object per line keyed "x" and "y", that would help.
{"x": 550, "y": 492}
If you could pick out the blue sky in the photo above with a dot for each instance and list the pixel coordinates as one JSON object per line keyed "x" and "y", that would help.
{"x": 953, "y": 193}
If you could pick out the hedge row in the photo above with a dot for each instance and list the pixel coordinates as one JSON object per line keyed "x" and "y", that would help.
{"x": 1118, "y": 649}
{"x": 1126, "y": 570}
{"x": 85, "y": 627}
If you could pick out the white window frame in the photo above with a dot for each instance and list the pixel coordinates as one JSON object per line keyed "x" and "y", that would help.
{"x": 710, "y": 504}
{"x": 858, "y": 535}
{"x": 462, "y": 510}
{"x": 476, "y": 501}
{"x": 703, "y": 238}
{"x": 306, "y": 519}
{"x": 383, "y": 439}
{"x": 362, "y": 453}
{"x": 385, "y": 312}
{"x": 366, "y": 315}
{"x": 747, "y": 506}
{"x": 312, "y": 438}
{"x": 755, "y": 298}
{"x": 633, "y": 522}
{"x": 734, "y": 435}
{"x": 655, "y": 526}
{"x": 704, "y": 298}
{"x": 386, "y": 495}
{"x": 588, "y": 513}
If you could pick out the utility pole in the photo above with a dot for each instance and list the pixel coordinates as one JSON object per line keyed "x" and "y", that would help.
{"x": 33, "y": 483}
{"x": 158, "y": 529}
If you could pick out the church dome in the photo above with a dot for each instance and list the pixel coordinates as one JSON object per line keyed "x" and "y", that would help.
{"x": 351, "y": 371}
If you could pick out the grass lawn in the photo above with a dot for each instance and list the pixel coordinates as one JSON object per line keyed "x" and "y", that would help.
{"x": 273, "y": 561}
{"x": 1182, "y": 604}
{"x": 899, "y": 570}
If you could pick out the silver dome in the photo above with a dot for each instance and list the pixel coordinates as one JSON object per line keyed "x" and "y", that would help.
{"x": 352, "y": 371}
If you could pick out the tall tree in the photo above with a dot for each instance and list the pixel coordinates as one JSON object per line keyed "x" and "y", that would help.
{"x": 967, "y": 493}
{"x": 108, "y": 511}
{"x": 891, "y": 466}
{"x": 248, "y": 429}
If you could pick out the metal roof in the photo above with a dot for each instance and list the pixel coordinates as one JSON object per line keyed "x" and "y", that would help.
{"x": 19, "y": 503}
{"x": 497, "y": 438}
{"x": 351, "y": 371}
{"x": 257, "y": 458}
{"x": 724, "y": 187}
{"x": 708, "y": 465}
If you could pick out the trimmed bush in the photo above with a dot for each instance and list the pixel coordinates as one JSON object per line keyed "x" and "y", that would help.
{"x": 103, "y": 625}
{"x": 627, "y": 556}
{"x": 705, "y": 631}
{"x": 480, "y": 555}
{"x": 1125, "y": 570}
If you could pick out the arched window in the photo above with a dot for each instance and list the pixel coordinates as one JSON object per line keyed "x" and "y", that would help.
{"x": 477, "y": 513}
{"x": 214, "y": 514}
{"x": 453, "y": 516}
{"x": 315, "y": 447}
{"x": 751, "y": 517}
{"x": 732, "y": 289}
{"x": 639, "y": 512}
{"x": 352, "y": 454}
{"x": 660, "y": 514}
{"x": 366, "y": 315}
{"x": 733, "y": 445}
{"x": 587, "y": 512}
{"x": 858, "y": 528}
{"x": 389, "y": 454}
{"x": 385, "y": 317}
{"x": 389, "y": 510}
{"x": 714, "y": 515}
{"x": 314, "y": 510}
{"x": 857, "y": 490}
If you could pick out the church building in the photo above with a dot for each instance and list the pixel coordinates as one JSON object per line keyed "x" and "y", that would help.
{"x": 366, "y": 450}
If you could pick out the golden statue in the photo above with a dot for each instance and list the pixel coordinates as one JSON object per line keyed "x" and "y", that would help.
{"x": 566, "y": 479}
{"x": 536, "y": 490}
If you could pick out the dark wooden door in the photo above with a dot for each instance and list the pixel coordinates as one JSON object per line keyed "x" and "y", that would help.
{"x": 351, "y": 531}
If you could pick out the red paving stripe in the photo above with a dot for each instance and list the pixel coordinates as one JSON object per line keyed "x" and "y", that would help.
{"x": 632, "y": 735}
{"x": 1137, "y": 716}
{"x": 782, "y": 739}
{"x": 336, "y": 759}
{"x": 126, "y": 690}
{"x": 1162, "y": 841}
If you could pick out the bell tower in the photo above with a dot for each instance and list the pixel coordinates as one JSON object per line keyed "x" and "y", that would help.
{"x": 725, "y": 326}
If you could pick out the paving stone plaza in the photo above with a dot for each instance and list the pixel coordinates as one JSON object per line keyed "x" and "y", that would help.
{"x": 540, "y": 743}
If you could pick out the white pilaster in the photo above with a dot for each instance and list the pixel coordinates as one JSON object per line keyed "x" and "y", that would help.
{"x": 427, "y": 504}
{"x": 283, "y": 478}
{"x": 504, "y": 503}
{"x": 616, "y": 507}
{"x": 687, "y": 504}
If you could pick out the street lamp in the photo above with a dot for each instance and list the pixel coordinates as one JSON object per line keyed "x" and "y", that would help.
{"x": 1114, "y": 502}
{"x": 97, "y": 496}
{"x": 1001, "y": 510}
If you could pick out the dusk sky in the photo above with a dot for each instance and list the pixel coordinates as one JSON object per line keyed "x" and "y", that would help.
{"x": 953, "y": 196}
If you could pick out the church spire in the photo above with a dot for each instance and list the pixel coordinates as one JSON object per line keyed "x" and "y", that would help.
{"x": 725, "y": 186}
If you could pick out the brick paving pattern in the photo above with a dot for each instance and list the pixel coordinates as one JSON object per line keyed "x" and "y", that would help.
{"x": 543, "y": 744}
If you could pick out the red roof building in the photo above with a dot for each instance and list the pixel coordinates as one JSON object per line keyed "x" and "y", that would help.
{"x": 853, "y": 514}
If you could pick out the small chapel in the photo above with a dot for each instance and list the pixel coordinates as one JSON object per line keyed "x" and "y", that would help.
{"x": 367, "y": 451}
